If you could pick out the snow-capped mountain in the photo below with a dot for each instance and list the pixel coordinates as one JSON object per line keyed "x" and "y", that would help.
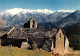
{"x": 18, "y": 16}
{"x": 66, "y": 10}
{"x": 24, "y": 11}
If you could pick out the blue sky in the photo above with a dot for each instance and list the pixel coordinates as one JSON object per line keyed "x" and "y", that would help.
{"x": 40, "y": 4}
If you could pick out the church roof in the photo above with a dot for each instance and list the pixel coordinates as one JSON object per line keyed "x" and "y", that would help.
{"x": 24, "y": 33}
{"x": 30, "y": 19}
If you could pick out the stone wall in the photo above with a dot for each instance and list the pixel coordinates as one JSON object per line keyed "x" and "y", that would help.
{"x": 68, "y": 50}
{"x": 66, "y": 45}
{"x": 13, "y": 42}
{"x": 32, "y": 23}
{"x": 59, "y": 45}
{"x": 0, "y": 42}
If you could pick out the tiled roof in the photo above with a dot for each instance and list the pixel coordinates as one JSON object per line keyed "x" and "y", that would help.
{"x": 24, "y": 33}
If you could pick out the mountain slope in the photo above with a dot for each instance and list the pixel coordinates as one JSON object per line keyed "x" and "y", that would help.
{"x": 73, "y": 33}
{"x": 70, "y": 19}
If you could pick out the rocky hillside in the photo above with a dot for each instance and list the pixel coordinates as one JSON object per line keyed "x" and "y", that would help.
{"x": 70, "y": 19}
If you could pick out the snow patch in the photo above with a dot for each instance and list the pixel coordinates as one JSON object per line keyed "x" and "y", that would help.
{"x": 66, "y": 10}
{"x": 14, "y": 11}
{"x": 20, "y": 10}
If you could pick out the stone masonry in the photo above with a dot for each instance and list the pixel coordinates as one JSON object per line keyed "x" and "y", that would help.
{"x": 32, "y": 23}
{"x": 59, "y": 45}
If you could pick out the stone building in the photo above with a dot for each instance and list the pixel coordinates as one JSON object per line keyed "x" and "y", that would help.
{"x": 59, "y": 47}
{"x": 32, "y": 23}
{"x": 47, "y": 39}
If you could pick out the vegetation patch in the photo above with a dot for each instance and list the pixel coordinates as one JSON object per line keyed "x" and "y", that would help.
{"x": 14, "y": 51}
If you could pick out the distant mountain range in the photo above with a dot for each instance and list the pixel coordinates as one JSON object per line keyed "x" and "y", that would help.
{"x": 70, "y": 19}
{"x": 17, "y": 16}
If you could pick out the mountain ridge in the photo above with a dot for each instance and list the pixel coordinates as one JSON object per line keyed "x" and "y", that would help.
{"x": 21, "y": 17}
{"x": 70, "y": 19}
{"x": 15, "y": 11}
{"x": 45, "y": 11}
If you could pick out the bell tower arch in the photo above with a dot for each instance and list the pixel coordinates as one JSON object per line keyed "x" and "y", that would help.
{"x": 32, "y": 23}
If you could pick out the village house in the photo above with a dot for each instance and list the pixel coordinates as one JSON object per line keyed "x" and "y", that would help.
{"x": 47, "y": 39}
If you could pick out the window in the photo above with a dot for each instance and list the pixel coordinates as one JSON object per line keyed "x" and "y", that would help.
{"x": 60, "y": 34}
{"x": 33, "y": 24}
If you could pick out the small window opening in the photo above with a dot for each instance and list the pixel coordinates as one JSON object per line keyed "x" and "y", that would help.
{"x": 33, "y": 24}
{"x": 60, "y": 34}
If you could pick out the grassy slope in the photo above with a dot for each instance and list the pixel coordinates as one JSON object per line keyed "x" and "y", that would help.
{"x": 13, "y": 51}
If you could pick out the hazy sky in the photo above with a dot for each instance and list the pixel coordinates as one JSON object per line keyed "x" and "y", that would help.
{"x": 40, "y": 4}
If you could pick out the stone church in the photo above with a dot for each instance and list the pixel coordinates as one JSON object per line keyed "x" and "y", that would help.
{"x": 47, "y": 39}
